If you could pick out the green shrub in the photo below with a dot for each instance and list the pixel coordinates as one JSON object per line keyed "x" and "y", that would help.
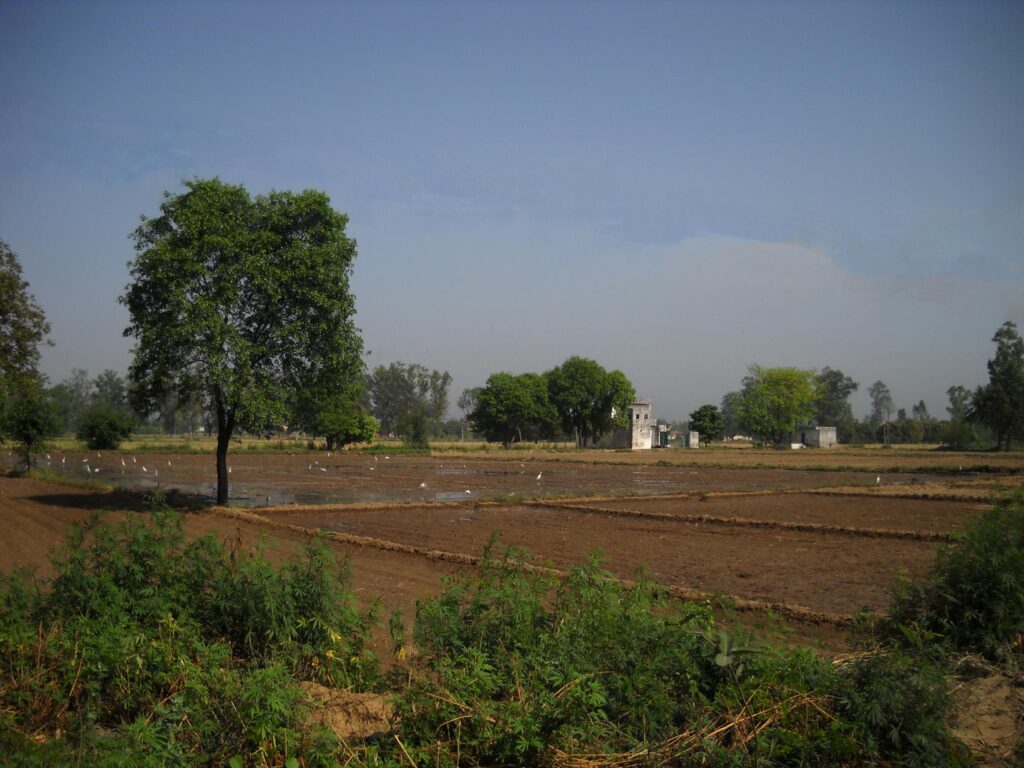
{"x": 520, "y": 666}
{"x": 128, "y": 658}
{"x": 975, "y": 597}
{"x": 105, "y": 427}
{"x": 898, "y": 704}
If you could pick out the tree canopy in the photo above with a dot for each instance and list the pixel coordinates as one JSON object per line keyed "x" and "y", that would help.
{"x": 1000, "y": 403}
{"x": 336, "y": 412}
{"x": 23, "y": 326}
{"x": 513, "y": 407}
{"x": 832, "y": 407}
{"x": 27, "y": 417}
{"x": 775, "y": 401}
{"x": 590, "y": 400}
{"x": 707, "y": 421}
{"x": 408, "y": 399}
{"x": 241, "y": 300}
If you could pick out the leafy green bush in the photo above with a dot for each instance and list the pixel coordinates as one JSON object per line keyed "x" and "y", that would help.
{"x": 897, "y": 704}
{"x": 132, "y": 651}
{"x": 521, "y": 667}
{"x": 975, "y": 597}
{"x": 105, "y": 427}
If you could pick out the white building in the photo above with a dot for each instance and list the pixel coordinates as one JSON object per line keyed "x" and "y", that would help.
{"x": 815, "y": 437}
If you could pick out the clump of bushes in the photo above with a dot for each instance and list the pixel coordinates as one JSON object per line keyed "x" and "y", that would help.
{"x": 104, "y": 427}
{"x": 523, "y": 670}
{"x": 974, "y": 600}
{"x": 173, "y": 653}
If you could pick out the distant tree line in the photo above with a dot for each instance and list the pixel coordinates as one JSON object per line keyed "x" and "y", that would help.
{"x": 773, "y": 402}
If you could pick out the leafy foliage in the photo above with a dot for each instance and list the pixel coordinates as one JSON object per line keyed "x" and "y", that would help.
{"x": 512, "y": 407}
{"x": 832, "y": 406}
{"x": 590, "y": 401}
{"x": 975, "y": 596}
{"x": 775, "y": 401}
{"x": 146, "y": 648}
{"x": 336, "y": 411}
{"x": 708, "y": 422}
{"x": 897, "y": 704}
{"x": 105, "y": 426}
{"x": 521, "y": 668}
{"x": 27, "y": 417}
{"x": 23, "y": 325}
{"x": 1000, "y": 403}
{"x": 243, "y": 301}
{"x": 409, "y": 399}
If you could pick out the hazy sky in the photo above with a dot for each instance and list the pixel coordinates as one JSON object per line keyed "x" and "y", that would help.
{"x": 673, "y": 189}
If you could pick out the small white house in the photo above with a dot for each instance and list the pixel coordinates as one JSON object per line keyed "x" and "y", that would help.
{"x": 814, "y": 437}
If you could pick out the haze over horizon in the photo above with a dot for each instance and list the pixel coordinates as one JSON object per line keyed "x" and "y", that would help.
{"x": 675, "y": 190}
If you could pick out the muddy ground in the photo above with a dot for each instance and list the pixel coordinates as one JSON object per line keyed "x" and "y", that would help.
{"x": 272, "y": 477}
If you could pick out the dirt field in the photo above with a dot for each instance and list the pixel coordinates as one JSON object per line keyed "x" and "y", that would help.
{"x": 271, "y": 478}
{"x": 749, "y": 533}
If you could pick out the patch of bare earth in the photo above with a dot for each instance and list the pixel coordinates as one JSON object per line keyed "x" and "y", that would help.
{"x": 988, "y": 714}
{"x": 347, "y": 714}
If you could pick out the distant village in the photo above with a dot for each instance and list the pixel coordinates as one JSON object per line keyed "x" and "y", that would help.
{"x": 644, "y": 433}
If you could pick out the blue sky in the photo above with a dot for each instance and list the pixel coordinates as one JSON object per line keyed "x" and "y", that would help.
{"x": 673, "y": 189}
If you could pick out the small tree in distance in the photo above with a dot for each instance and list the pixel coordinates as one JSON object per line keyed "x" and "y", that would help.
{"x": 28, "y": 419}
{"x": 775, "y": 401}
{"x": 104, "y": 426}
{"x": 708, "y": 422}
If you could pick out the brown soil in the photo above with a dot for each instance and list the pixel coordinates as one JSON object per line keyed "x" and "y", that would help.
{"x": 988, "y": 707}
{"x": 35, "y": 516}
{"x": 867, "y": 511}
{"x": 827, "y": 572}
{"x": 270, "y": 478}
{"x": 348, "y": 714}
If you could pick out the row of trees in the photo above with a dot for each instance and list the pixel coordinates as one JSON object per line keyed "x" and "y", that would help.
{"x": 578, "y": 398}
{"x": 774, "y": 402}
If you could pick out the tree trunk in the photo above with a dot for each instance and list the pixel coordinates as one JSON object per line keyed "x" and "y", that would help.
{"x": 225, "y": 426}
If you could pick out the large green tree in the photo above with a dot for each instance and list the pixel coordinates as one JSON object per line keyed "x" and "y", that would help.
{"x": 775, "y": 401}
{"x": 707, "y": 421}
{"x": 23, "y": 326}
{"x": 513, "y": 407}
{"x": 832, "y": 408}
{"x": 590, "y": 400}
{"x": 241, "y": 300}
{"x": 1000, "y": 404}
{"x": 408, "y": 398}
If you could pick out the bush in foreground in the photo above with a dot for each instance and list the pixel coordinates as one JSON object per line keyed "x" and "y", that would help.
{"x": 152, "y": 651}
{"x": 520, "y": 669}
{"x": 974, "y": 600}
